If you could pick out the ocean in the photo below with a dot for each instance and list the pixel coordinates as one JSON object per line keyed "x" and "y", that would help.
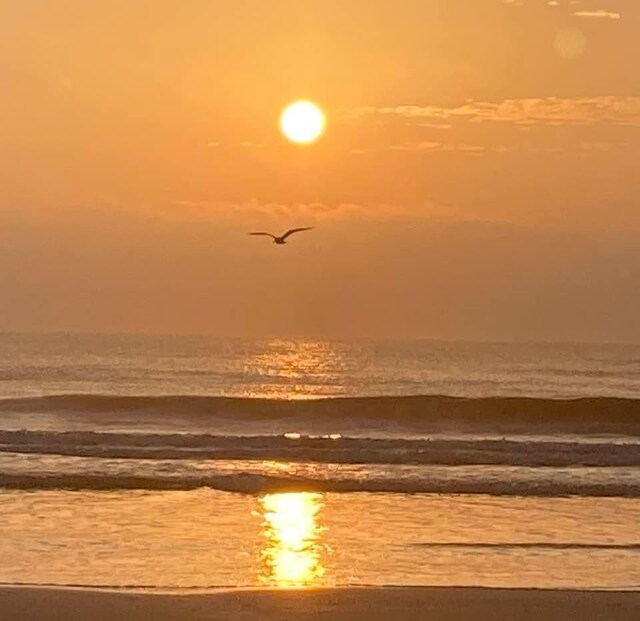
{"x": 180, "y": 463}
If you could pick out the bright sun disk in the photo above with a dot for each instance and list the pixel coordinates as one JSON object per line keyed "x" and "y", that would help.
{"x": 302, "y": 122}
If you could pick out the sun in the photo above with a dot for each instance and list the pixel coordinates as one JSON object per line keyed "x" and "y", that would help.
{"x": 302, "y": 122}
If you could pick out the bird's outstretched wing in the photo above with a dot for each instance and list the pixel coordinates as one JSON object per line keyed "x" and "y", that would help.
{"x": 263, "y": 233}
{"x": 292, "y": 231}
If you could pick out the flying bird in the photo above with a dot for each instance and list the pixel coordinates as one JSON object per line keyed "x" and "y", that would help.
{"x": 282, "y": 239}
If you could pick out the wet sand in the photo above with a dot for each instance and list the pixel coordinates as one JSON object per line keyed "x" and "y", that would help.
{"x": 348, "y": 604}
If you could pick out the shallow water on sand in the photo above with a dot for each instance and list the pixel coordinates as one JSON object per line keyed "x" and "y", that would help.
{"x": 205, "y": 538}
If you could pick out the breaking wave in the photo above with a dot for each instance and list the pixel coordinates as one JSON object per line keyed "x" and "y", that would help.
{"x": 408, "y": 445}
{"x": 417, "y": 413}
{"x": 249, "y": 483}
{"x": 334, "y": 449}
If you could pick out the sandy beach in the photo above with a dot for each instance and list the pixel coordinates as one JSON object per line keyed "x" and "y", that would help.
{"x": 372, "y": 604}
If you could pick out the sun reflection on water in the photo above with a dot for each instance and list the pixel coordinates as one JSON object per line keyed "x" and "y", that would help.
{"x": 288, "y": 369}
{"x": 291, "y": 550}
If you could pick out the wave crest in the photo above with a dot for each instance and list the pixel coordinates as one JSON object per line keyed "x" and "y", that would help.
{"x": 246, "y": 483}
{"x": 418, "y": 413}
{"x": 319, "y": 450}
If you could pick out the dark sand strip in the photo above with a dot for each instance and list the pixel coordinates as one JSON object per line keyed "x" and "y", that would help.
{"x": 370, "y": 604}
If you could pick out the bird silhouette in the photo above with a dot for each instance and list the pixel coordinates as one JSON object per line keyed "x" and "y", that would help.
{"x": 282, "y": 239}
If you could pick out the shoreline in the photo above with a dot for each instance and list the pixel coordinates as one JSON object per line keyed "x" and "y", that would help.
{"x": 31, "y": 603}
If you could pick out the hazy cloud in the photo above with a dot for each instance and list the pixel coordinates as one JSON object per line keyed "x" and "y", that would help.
{"x": 429, "y": 146}
{"x": 554, "y": 110}
{"x": 599, "y": 14}
{"x": 257, "y": 213}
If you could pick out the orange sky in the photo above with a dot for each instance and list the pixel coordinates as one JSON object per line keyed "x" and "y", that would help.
{"x": 478, "y": 177}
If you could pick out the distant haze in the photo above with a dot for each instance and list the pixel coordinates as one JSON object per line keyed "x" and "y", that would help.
{"x": 478, "y": 178}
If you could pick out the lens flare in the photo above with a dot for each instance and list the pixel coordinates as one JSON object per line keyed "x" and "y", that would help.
{"x": 570, "y": 43}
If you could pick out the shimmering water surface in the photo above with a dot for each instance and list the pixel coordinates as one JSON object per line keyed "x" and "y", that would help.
{"x": 303, "y": 368}
{"x": 205, "y": 538}
{"x": 154, "y": 462}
